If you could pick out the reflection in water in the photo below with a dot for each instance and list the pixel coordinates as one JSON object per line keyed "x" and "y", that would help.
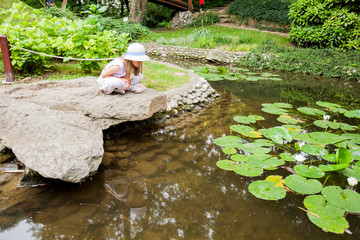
{"x": 159, "y": 181}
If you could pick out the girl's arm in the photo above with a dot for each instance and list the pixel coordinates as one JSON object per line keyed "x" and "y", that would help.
{"x": 110, "y": 71}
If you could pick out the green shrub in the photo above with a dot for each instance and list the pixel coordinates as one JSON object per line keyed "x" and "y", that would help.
{"x": 324, "y": 62}
{"x": 275, "y": 11}
{"x": 203, "y": 38}
{"x": 325, "y": 24}
{"x": 37, "y": 31}
{"x": 157, "y": 14}
{"x": 209, "y": 18}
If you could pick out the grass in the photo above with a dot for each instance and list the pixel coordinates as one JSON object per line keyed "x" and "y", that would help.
{"x": 158, "y": 76}
{"x": 162, "y": 77}
{"x": 232, "y": 39}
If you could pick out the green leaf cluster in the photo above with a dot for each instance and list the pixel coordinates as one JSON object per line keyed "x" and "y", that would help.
{"x": 306, "y": 149}
{"x": 37, "y": 31}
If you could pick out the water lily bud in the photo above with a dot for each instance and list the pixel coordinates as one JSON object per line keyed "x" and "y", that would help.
{"x": 352, "y": 181}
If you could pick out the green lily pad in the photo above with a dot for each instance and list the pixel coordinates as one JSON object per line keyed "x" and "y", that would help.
{"x": 229, "y": 141}
{"x": 264, "y": 143}
{"x": 327, "y": 124}
{"x": 355, "y": 154}
{"x": 283, "y": 105}
{"x": 326, "y": 138}
{"x": 302, "y": 185}
{"x": 333, "y": 167}
{"x": 239, "y": 157}
{"x": 246, "y": 131}
{"x": 353, "y": 114}
{"x": 343, "y": 156}
{"x": 277, "y": 179}
{"x": 309, "y": 171}
{"x": 253, "y": 148}
{"x": 352, "y": 172}
{"x": 330, "y": 225}
{"x": 275, "y": 79}
{"x": 248, "y": 170}
{"x": 274, "y": 110}
{"x": 227, "y": 165}
{"x": 311, "y": 111}
{"x": 248, "y": 119}
{"x": 229, "y": 150}
{"x": 305, "y": 137}
{"x": 347, "y": 199}
{"x": 269, "y": 163}
{"x": 278, "y": 135}
{"x": 266, "y": 190}
{"x": 288, "y": 157}
{"x": 330, "y": 157}
{"x": 314, "y": 150}
{"x": 318, "y": 205}
{"x": 287, "y": 119}
{"x": 333, "y": 107}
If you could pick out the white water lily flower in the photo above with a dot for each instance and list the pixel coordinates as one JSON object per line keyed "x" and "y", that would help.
{"x": 352, "y": 181}
{"x": 126, "y": 19}
{"x": 326, "y": 117}
{"x": 299, "y": 157}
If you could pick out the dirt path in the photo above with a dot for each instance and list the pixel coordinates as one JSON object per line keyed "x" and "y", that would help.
{"x": 227, "y": 20}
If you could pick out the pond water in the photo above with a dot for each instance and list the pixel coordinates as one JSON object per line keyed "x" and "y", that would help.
{"x": 161, "y": 181}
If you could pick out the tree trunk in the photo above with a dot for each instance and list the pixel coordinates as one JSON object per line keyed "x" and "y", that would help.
{"x": 137, "y": 10}
{"x": 64, "y": 4}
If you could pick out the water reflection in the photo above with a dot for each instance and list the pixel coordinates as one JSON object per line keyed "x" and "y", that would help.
{"x": 159, "y": 181}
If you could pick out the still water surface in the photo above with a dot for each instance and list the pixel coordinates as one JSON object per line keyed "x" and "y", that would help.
{"x": 161, "y": 181}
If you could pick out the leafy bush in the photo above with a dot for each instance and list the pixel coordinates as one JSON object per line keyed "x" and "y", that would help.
{"x": 326, "y": 24}
{"x": 37, "y": 31}
{"x": 275, "y": 11}
{"x": 203, "y": 39}
{"x": 324, "y": 62}
{"x": 209, "y": 18}
{"x": 157, "y": 14}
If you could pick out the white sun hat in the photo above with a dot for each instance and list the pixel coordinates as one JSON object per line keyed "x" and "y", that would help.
{"x": 136, "y": 52}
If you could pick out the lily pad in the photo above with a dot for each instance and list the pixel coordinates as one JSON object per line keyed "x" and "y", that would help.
{"x": 248, "y": 119}
{"x": 302, "y": 185}
{"x": 310, "y": 172}
{"x": 353, "y": 114}
{"x": 239, "y": 157}
{"x": 269, "y": 163}
{"x": 277, "y": 179}
{"x": 229, "y": 141}
{"x": 330, "y": 225}
{"x": 227, "y": 165}
{"x": 248, "y": 170}
{"x": 333, "y": 107}
{"x": 330, "y": 157}
{"x": 253, "y": 148}
{"x": 266, "y": 190}
{"x": 287, "y": 119}
{"x": 326, "y": 138}
{"x": 318, "y": 205}
{"x": 352, "y": 172}
{"x": 287, "y": 157}
{"x": 314, "y": 150}
{"x": 283, "y": 105}
{"x": 279, "y": 135}
{"x": 274, "y": 110}
{"x": 264, "y": 143}
{"x": 346, "y": 199}
{"x": 333, "y": 167}
{"x": 311, "y": 111}
{"x": 229, "y": 150}
{"x": 246, "y": 131}
{"x": 343, "y": 156}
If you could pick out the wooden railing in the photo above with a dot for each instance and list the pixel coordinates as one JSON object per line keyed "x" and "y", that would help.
{"x": 175, "y": 4}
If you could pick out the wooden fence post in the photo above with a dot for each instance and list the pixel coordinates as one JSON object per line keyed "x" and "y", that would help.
{"x": 5, "y": 51}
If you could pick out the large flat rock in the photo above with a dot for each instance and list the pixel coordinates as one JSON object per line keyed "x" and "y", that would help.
{"x": 55, "y": 128}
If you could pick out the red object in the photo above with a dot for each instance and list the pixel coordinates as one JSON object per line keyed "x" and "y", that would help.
{"x": 5, "y": 51}
{"x": 201, "y": 2}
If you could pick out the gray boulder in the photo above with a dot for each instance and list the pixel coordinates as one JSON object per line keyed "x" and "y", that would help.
{"x": 55, "y": 128}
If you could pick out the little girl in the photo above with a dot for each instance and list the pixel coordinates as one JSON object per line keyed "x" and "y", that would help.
{"x": 124, "y": 73}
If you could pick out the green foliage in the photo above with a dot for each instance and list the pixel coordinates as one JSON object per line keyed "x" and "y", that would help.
{"x": 60, "y": 12}
{"x": 37, "y": 31}
{"x": 324, "y": 62}
{"x": 275, "y": 11}
{"x": 325, "y": 24}
{"x": 209, "y": 18}
{"x": 209, "y": 4}
{"x": 310, "y": 162}
{"x": 156, "y": 15}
